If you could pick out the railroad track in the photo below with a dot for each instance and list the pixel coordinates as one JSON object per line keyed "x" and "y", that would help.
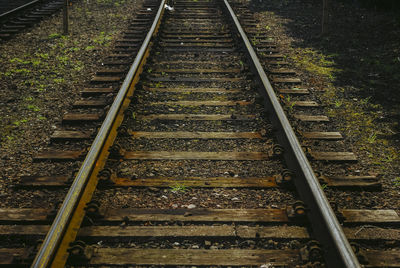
{"x": 16, "y": 16}
{"x": 187, "y": 168}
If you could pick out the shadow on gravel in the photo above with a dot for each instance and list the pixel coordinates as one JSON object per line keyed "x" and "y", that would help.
{"x": 363, "y": 43}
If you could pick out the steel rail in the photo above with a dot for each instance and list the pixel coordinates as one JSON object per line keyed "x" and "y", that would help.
{"x": 60, "y": 224}
{"x": 337, "y": 249}
{"x": 11, "y": 12}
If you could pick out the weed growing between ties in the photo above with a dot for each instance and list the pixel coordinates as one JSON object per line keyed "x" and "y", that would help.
{"x": 179, "y": 188}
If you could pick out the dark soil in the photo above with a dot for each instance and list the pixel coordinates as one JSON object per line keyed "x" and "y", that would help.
{"x": 41, "y": 73}
{"x": 353, "y": 69}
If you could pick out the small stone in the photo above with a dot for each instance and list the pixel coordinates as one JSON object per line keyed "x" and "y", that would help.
{"x": 235, "y": 199}
{"x": 124, "y": 170}
{"x": 294, "y": 244}
{"x": 391, "y": 243}
{"x": 263, "y": 132}
{"x": 207, "y": 243}
{"x": 154, "y": 189}
{"x": 191, "y": 206}
{"x": 39, "y": 194}
{"x": 165, "y": 197}
{"x": 195, "y": 247}
{"x": 176, "y": 244}
{"x": 174, "y": 206}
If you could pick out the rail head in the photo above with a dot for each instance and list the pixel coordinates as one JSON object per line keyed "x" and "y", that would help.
{"x": 337, "y": 248}
{"x": 60, "y": 224}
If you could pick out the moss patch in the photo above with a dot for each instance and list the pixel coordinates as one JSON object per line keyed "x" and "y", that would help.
{"x": 314, "y": 62}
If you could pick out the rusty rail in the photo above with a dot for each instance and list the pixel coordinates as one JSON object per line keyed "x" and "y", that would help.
{"x": 323, "y": 220}
{"x": 52, "y": 253}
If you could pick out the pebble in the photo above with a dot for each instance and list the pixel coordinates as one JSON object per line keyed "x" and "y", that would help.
{"x": 174, "y": 206}
{"x": 267, "y": 265}
{"x": 272, "y": 244}
{"x": 191, "y": 206}
{"x": 124, "y": 170}
{"x": 153, "y": 189}
{"x": 249, "y": 243}
{"x": 235, "y": 199}
{"x": 165, "y": 197}
{"x": 195, "y": 247}
{"x": 294, "y": 244}
{"x": 263, "y": 132}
